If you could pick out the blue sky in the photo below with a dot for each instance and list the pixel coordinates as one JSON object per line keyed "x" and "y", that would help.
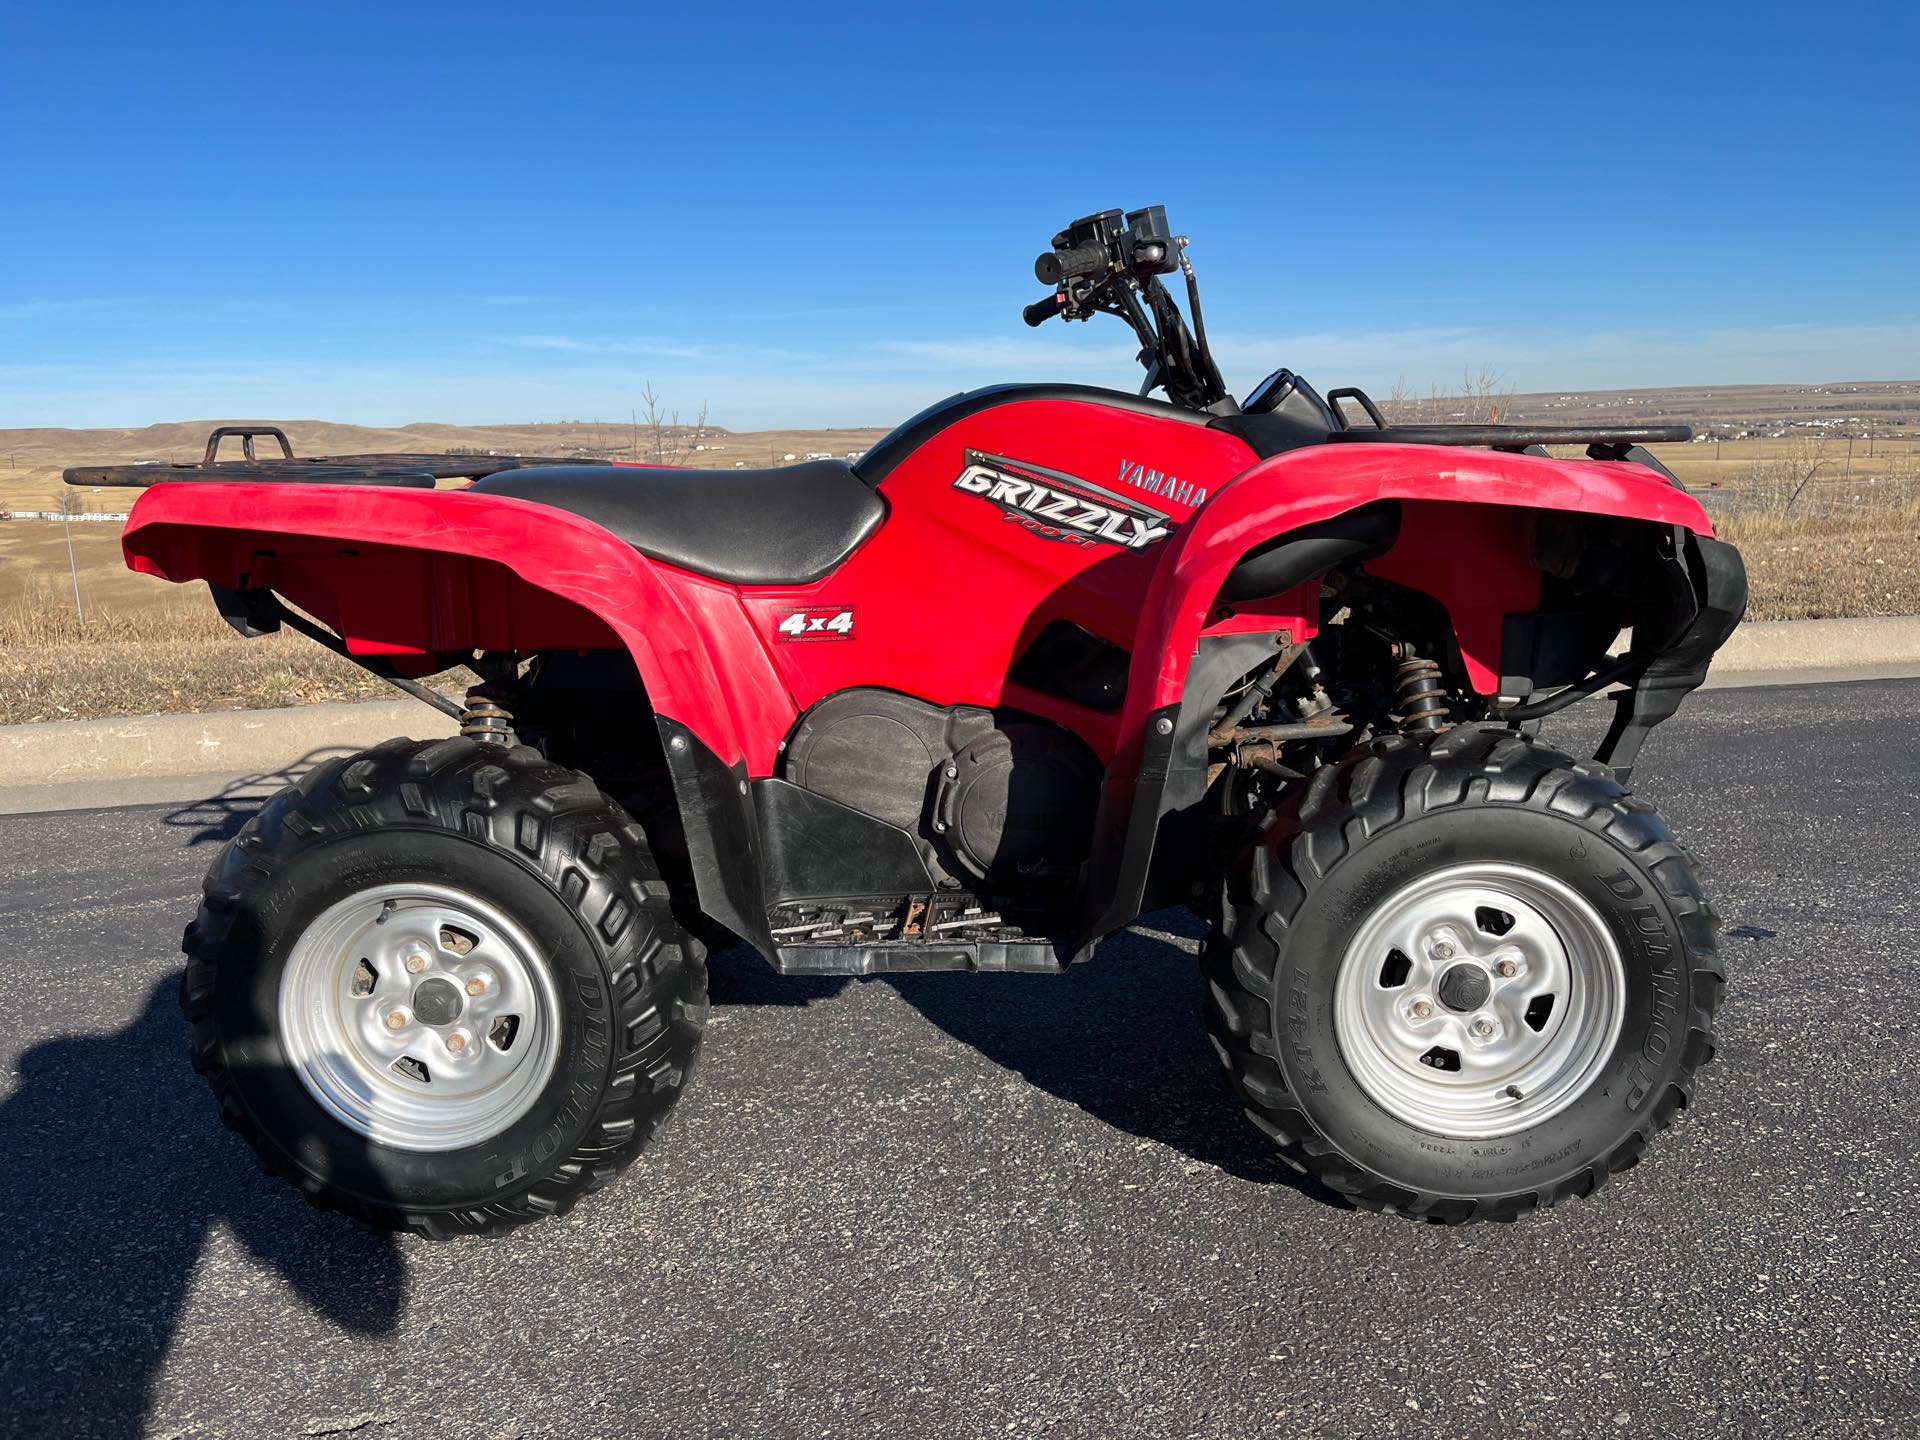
{"x": 820, "y": 215}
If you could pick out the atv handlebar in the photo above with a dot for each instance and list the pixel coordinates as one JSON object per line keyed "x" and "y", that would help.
{"x": 1041, "y": 311}
{"x": 1111, "y": 264}
{"x": 1072, "y": 263}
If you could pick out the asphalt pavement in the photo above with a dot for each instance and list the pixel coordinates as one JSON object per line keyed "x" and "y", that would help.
{"x": 954, "y": 1205}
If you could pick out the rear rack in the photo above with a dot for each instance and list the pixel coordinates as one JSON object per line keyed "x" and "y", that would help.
{"x": 418, "y": 471}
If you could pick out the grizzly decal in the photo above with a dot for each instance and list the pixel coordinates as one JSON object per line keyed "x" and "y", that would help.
{"x": 1058, "y": 506}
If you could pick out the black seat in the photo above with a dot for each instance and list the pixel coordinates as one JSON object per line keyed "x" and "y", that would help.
{"x": 747, "y": 527}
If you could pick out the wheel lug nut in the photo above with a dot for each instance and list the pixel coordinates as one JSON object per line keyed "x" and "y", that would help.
{"x": 416, "y": 962}
{"x": 397, "y": 1020}
{"x": 1507, "y": 969}
{"x": 456, "y": 1043}
{"x": 1483, "y": 1028}
{"x": 1443, "y": 949}
{"x": 477, "y": 985}
{"x": 1421, "y": 1009}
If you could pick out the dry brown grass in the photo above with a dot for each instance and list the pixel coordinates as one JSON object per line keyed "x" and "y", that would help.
{"x": 156, "y": 659}
{"x": 1825, "y": 534}
{"x": 1805, "y": 567}
{"x": 1820, "y": 542}
{"x": 173, "y": 653}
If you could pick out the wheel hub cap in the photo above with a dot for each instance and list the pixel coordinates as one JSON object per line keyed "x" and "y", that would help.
{"x": 437, "y": 1002}
{"x": 1464, "y": 987}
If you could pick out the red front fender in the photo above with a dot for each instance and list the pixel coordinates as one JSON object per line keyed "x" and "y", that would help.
{"x": 1308, "y": 485}
{"x": 424, "y": 573}
{"x": 1462, "y": 539}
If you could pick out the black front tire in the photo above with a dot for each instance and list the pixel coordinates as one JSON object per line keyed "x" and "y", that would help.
{"x": 1350, "y": 838}
{"x": 543, "y": 846}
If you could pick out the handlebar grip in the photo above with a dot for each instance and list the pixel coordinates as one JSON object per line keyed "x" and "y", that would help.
{"x": 1057, "y": 265}
{"x": 1041, "y": 311}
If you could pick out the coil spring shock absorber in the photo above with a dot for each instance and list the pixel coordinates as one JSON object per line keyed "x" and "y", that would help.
{"x": 1419, "y": 699}
{"x": 486, "y": 719}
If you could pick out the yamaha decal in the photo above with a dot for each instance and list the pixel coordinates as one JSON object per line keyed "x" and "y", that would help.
{"x": 1058, "y": 506}
{"x": 1158, "y": 482}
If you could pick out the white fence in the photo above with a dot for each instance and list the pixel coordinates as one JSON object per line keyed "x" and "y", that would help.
{"x": 1828, "y": 499}
{"x": 99, "y": 516}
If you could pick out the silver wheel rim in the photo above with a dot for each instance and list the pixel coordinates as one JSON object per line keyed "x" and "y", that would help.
{"x": 419, "y": 1016}
{"x": 1479, "y": 1000}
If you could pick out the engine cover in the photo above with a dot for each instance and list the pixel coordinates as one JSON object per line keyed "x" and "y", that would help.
{"x": 993, "y": 797}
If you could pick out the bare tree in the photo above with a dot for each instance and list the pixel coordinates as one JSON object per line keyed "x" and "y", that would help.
{"x": 69, "y": 506}
{"x": 1803, "y": 462}
{"x": 1777, "y": 483}
{"x": 1487, "y": 396}
{"x": 665, "y": 440}
{"x": 1482, "y": 398}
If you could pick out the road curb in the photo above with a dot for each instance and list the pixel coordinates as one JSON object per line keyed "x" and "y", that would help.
{"x": 141, "y": 751}
{"x": 1798, "y": 650}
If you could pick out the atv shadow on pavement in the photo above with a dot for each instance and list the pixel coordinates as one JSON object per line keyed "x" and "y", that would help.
{"x": 117, "y": 1177}
{"x": 217, "y": 818}
{"x": 1120, "y": 1037}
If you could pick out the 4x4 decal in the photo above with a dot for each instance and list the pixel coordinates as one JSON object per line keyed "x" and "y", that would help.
{"x": 816, "y": 622}
{"x": 1058, "y": 506}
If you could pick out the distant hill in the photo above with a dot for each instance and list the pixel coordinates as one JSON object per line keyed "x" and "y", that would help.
{"x": 1887, "y": 407}
{"x": 31, "y": 459}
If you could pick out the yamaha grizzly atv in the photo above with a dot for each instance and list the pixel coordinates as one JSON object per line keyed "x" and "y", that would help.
{"x": 1045, "y": 658}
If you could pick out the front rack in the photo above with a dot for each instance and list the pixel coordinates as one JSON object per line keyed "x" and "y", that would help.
{"x": 417, "y": 471}
{"x": 1603, "y": 442}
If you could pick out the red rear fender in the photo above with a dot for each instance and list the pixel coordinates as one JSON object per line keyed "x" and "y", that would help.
{"x": 423, "y": 573}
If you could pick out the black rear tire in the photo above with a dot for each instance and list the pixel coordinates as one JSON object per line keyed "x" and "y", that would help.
{"x": 1362, "y": 832}
{"x": 545, "y": 849}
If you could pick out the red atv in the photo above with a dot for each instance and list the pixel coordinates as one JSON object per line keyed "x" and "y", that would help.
{"x": 1045, "y": 658}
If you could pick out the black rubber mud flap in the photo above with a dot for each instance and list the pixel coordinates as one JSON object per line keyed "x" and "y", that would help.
{"x": 1131, "y": 803}
{"x": 723, "y": 840}
{"x": 1718, "y": 579}
{"x": 1149, "y": 802}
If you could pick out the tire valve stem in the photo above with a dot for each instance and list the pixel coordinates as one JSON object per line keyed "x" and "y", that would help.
{"x": 1419, "y": 699}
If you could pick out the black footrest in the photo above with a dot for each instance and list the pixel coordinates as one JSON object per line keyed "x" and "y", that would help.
{"x": 919, "y": 932}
